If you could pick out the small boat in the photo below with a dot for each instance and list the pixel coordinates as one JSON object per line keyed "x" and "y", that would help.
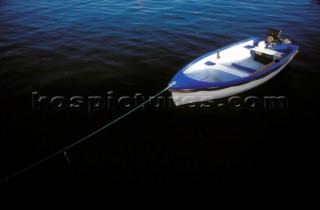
{"x": 232, "y": 69}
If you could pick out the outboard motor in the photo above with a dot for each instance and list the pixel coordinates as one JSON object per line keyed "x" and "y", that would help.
{"x": 274, "y": 36}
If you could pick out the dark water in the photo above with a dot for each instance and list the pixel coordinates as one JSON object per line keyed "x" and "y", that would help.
{"x": 158, "y": 156}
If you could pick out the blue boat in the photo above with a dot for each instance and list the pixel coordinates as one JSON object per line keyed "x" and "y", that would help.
{"x": 232, "y": 69}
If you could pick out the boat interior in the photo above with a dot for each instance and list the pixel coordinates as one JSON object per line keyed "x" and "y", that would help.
{"x": 237, "y": 61}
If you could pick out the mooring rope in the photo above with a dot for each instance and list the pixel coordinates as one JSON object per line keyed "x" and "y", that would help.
{"x": 86, "y": 137}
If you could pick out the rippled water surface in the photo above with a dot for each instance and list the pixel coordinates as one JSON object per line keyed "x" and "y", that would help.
{"x": 202, "y": 157}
